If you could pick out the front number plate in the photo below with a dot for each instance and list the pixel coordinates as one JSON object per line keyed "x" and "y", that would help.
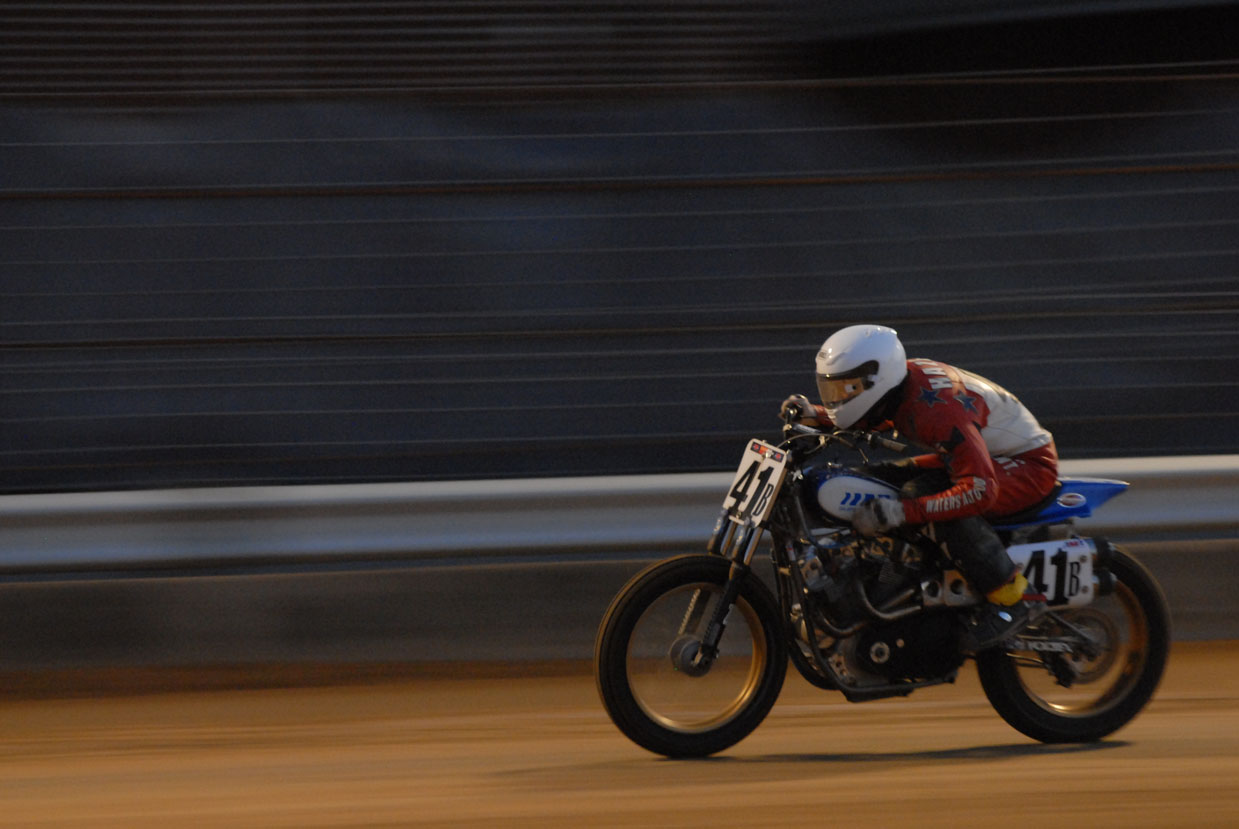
{"x": 757, "y": 482}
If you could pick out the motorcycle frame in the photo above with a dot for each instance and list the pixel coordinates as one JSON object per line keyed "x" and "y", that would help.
{"x": 739, "y": 544}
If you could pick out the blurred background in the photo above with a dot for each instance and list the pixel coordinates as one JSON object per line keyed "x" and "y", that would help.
{"x": 350, "y": 342}
{"x": 288, "y": 242}
{"x": 279, "y": 280}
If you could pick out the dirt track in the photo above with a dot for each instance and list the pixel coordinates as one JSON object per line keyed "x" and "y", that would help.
{"x": 539, "y": 751}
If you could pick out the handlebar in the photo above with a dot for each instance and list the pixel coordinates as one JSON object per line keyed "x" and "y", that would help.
{"x": 886, "y": 443}
{"x": 848, "y": 437}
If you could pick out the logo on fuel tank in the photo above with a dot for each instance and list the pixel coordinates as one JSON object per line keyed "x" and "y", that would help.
{"x": 855, "y": 499}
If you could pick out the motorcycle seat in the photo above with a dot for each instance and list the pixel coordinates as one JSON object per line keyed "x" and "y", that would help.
{"x": 1029, "y": 514}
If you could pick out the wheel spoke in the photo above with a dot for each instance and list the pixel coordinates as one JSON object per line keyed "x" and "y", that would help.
{"x": 652, "y": 676}
{"x": 684, "y": 699}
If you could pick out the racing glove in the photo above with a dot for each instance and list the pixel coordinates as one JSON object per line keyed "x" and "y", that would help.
{"x": 901, "y": 465}
{"x": 877, "y": 516}
{"x": 806, "y": 411}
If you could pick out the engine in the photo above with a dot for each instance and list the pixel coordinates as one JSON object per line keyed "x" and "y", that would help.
{"x": 850, "y": 579}
{"x": 923, "y": 646}
{"x": 889, "y": 572}
{"x": 852, "y": 582}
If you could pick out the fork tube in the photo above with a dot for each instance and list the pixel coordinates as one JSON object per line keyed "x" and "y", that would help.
{"x": 740, "y": 553}
{"x": 724, "y": 530}
{"x": 750, "y": 542}
{"x": 718, "y": 619}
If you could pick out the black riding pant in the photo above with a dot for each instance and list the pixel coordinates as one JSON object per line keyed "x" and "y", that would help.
{"x": 973, "y": 544}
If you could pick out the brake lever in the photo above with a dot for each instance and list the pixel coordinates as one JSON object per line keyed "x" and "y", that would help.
{"x": 801, "y": 429}
{"x": 845, "y": 437}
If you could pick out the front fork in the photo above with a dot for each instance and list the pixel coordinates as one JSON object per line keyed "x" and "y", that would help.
{"x": 737, "y": 543}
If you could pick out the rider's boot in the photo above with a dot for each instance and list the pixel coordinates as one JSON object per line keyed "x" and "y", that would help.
{"x": 982, "y": 557}
{"x": 1004, "y": 615}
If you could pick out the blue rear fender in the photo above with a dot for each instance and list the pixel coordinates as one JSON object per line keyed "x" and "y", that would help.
{"x": 1077, "y": 498}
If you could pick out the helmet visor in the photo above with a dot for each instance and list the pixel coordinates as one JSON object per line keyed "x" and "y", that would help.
{"x": 837, "y": 389}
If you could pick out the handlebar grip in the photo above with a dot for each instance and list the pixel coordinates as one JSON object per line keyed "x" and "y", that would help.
{"x": 887, "y": 443}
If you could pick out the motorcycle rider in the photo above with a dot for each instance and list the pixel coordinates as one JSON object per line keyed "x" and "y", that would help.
{"x": 990, "y": 458}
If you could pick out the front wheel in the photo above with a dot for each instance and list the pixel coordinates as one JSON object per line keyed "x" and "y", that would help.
{"x": 647, "y": 658}
{"x": 1083, "y": 673}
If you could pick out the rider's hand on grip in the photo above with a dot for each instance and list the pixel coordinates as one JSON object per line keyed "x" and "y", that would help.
{"x": 798, "y": 409}
{"x": 902, "y": 466}
{"x": 877, "y": 515}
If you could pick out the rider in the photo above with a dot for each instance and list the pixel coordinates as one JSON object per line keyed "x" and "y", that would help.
{"x": 991, "y": 458}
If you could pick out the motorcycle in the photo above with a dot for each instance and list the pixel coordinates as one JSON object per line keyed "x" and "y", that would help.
{"x": 692, "y": 652}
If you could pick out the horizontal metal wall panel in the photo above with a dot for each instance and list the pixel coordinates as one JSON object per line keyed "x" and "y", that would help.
{"x": 554, "y": 290}
{"x": 94, "y": 51}
{"x": 161, "y": 49}
{"x": 600, "y": 281}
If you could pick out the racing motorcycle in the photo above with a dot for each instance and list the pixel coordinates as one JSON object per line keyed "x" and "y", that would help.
{"x": 692, "y": 652}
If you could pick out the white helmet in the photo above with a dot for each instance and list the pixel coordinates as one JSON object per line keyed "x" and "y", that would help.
{"x": 856, "y": 367}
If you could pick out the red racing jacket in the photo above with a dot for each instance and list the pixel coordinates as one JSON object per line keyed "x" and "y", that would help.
{"x": 999, "y": 458}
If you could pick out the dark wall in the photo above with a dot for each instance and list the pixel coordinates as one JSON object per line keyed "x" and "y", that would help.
{"x": 222, "y": 287}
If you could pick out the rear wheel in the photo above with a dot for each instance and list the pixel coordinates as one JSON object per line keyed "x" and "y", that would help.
{"x": 1118, "y": 647}
{"x": 651, "y": 678}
